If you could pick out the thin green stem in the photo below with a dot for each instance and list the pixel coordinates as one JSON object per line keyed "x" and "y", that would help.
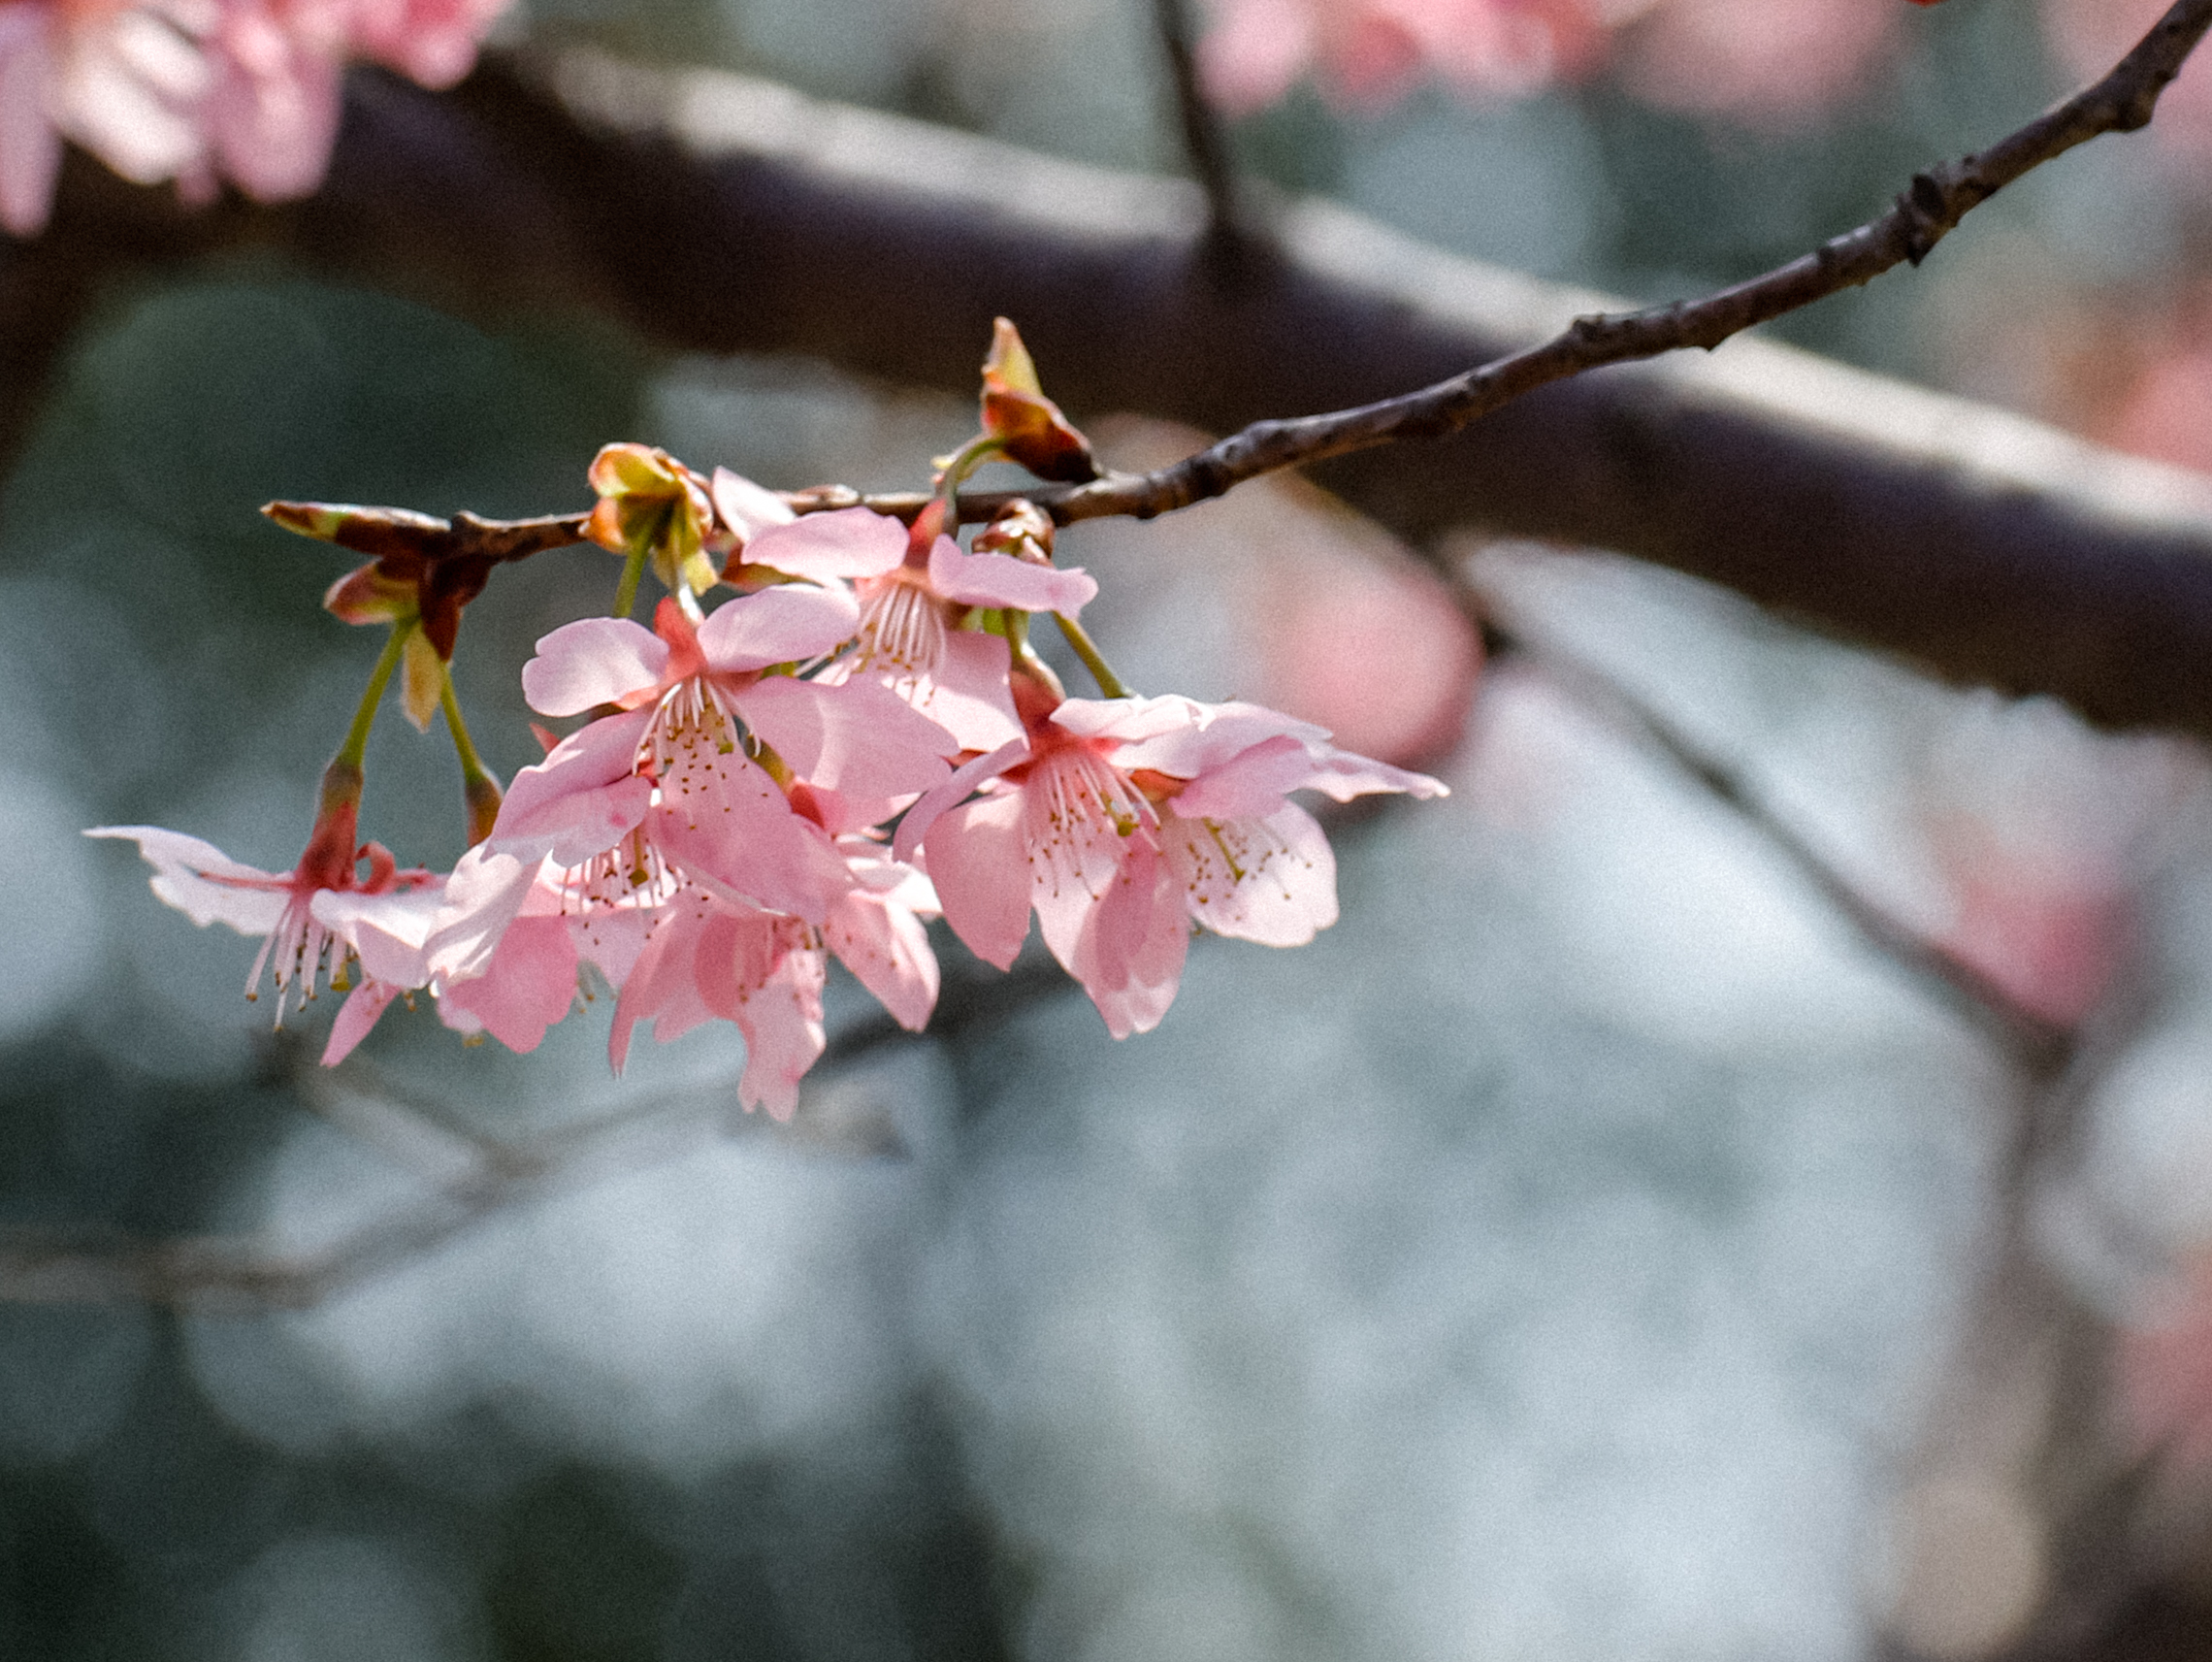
{"x": 633, "y": 574}
{"x": 963, "y": 462}
{"x": 356, "y": 744}
{"x": 1110, "y": 685}
{"x": 473, "y": 766}
{"x": 480, "y": 785}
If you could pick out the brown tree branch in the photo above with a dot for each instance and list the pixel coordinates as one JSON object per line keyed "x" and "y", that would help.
{"x": 723, "y": 215}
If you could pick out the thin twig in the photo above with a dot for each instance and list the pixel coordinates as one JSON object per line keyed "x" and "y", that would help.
{"x": 1205, "y": 145}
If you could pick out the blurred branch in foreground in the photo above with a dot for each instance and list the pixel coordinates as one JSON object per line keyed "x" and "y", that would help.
{"x": 721, "y": 214}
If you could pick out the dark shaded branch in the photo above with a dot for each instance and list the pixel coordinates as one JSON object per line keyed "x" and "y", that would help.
{"x": 1205, "y": 145}
{"x": 724, "y": 216}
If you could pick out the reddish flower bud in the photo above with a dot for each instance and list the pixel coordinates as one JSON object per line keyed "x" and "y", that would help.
{"x": 1026, "y": 423}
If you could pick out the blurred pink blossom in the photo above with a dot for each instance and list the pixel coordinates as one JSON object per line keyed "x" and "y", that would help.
{"x": 1765, "y": 62}
{"x": 199, "y": 90}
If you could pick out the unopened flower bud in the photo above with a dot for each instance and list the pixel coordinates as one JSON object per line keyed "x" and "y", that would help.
{"x": 1022, "y": 529}
{"x": 1028, "y": 426}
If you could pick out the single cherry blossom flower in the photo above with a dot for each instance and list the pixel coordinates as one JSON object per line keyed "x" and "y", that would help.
{"x": 665, "y": 792}
{"x": 303, "y": 947}
{"x": 1122, "y": 821}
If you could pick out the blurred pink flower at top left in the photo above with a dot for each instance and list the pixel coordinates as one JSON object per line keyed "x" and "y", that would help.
{"x": 197, "y": 91}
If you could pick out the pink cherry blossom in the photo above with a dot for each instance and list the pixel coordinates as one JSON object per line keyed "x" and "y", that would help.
{"x": 300, "y": 940}
{"x": 194, "y": 90}
{"x": 1369, "y": 53}
{"x": 664, "y": 792}
{"x": 1764, "y": 63}
{"x": 709, "y": 957}
{"x": 913, "y": 586}
{"x": 1122, "y": 821}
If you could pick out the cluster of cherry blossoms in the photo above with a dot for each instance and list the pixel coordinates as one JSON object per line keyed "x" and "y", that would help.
{"x": 1767, "y": 62}
{"x": 834, "y": 730}
{"x": 202, "y": 90}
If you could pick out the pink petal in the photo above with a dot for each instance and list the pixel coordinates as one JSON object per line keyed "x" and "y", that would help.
{"x": 1128, "y": 955}
{"x": 385, "y": 930}
{"x": 274, "y": 112}
{"x": 1001, "y": 580}
{"x": 581, "y": 800}
{"x": 858, "y": 737}
{"x": 968, "y": 696}
{"x": 1076, "y": 843}
{"x": 360, "y": 1012}
{"x": 1270, "y": 880}
{"x": 664, "y": 986}
{"x": 30, "y": 149}
{"x": 1340, "y": 777}
{"x": 738, "y": 836}
{"x": 748, "y": 508}
{"x": 528, "y": 985}
{"x": 784, "y": 1035}
{"x": 979, "y": 863}
{"x": 941, "y": 798}
{"x": 205, "y": 884}
{"x": 1181, "y": 736}
{"x": 591, "y": 661}
{"x": 888, "y": 951}
{"x": 788, "y": 624}
{"x": 850, "y": 542}
{"x": 483, "y": 896}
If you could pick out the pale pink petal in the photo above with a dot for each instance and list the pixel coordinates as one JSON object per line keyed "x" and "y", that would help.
{"x": 386, "y": 931}
{"x": 662, "y": 987}
{"x": 30, "y": 149}
{"x": 360, "y": 1012}
{"x": 1340, "y": 777}
{"x": 788, "y": 623}
{"x": 1081, "y": 822}
{"x": 736, "y": 834}
{"x": 1001, "y": 580}
{"x": 1250, "y": 784}
{"x": 432, "y": 42}
{"x": 205, "y": 884}
{"x": 487, "y": 891}
{"x": 858, "y": 737}
{"x": 979, "y": 863}
{"x": 610, "y": 939}
{"x": 1254, "y": 52}
{"x": 888, "y": 951}
{"x": 968, "y": 696}
{"x": 850, "y": 542}
{"x": 581, "y": 800}
{"x": 755, "y": 972}
{"x": 274, "y": 112}
{"x": 592, "y": 661}
{"x": 941, "y": 798}
{"x": 1270, "y": 880}
{"x": 749, "y": 509}
{"x": 1128, "y": 953}
{"x": 1181, "y": 736}
{"x": 528, "y": 985}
